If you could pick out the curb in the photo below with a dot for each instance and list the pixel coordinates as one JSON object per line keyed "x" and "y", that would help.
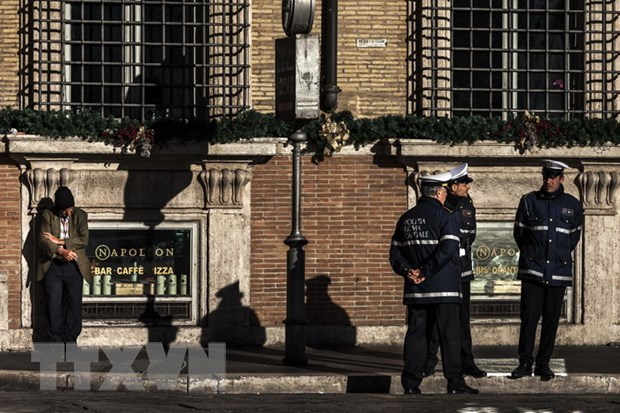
{"x": 314, "y": 383}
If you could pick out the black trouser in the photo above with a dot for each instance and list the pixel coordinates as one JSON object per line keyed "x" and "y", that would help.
{"x": 421, "y": 321}
{"x": 63, "y": 300}
{"x": 467, "y": 355}
{"x": 539, "y": 299}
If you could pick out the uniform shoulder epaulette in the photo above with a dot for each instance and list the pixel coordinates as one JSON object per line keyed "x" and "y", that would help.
{"x": 533, "y": 193}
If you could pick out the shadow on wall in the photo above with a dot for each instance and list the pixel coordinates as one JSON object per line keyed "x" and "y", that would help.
{"x": 328, "y": 322}
{"x": 147, "y": 194}
{"x": 30, "y": 252}
{"x": 232, "y": 322}
{"x": 160, "y": 328}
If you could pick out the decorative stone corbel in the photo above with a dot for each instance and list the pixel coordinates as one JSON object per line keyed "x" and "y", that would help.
{"x": 224, "y": 187}
{"x": 598, "y": 191}
{"x": 414, "y": 182}
{"x": 42, "y": 183}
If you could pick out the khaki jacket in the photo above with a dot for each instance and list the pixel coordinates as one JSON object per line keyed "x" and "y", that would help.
{"x": 77, "y": 241}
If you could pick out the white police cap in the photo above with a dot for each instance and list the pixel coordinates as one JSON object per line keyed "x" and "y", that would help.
{"x": 551, "y": 164}
{"x": 459, "y": 174}
{"x": 440, "y": 179}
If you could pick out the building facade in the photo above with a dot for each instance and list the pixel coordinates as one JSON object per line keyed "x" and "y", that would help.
{"x": 188, "y": 244}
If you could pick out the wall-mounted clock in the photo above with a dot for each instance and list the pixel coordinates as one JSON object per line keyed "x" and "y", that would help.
{"x": 297, "y": 16}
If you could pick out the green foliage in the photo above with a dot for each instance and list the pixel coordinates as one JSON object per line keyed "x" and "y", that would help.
{"x": 524, "y": 131}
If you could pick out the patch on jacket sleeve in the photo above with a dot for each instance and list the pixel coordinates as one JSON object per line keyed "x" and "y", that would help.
{"x": 568, "y": 212}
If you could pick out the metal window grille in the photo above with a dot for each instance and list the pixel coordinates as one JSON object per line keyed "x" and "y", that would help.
{"x": 481, "y": 310}
{"x": 138, "y": 58}
{"x": 163, "y": 313}
{"x": 556, "y": 58}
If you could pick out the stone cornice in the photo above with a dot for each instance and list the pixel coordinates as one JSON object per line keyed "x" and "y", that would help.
{"x": 427, "y": 149}
{"x": 117, "y": 180}
{"x": 31, "y": 146}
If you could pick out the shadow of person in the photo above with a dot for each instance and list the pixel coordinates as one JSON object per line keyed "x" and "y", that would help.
{"x": 162, "y": 91}
{"x": 232, "y": 322}
{"x": 328, "y": 323}
{"x": 160, "y": 328}
{"x": 30, "y": 252}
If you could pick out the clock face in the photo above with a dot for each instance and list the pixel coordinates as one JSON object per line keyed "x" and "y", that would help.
{"x": 297, "y": 16}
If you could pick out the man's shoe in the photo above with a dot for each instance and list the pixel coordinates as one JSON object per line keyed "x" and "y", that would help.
{"x": 463, "y": 389}
{"x": 475, "y": 371}
{"x": 522, "y": 370}
{"x": 413, "y": 391}
{"x": 544, "y": 372}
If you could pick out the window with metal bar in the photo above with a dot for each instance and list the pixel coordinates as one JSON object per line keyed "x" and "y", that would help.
{"x": 140, "y": 58}
{"x": 513, "y": 55}
{"x": 555, "y": 58}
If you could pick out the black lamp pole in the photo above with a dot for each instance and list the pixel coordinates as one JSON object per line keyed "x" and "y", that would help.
{"x": 295, "y": 336}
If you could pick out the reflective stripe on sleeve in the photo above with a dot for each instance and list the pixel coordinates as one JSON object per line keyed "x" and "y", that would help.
{"x": 467, "y": 273}
{"x": 432, "y": 295}
{"x": 532, "y": 228}
{"x": 416, "y": 242}
{"x": 536, "y": 273}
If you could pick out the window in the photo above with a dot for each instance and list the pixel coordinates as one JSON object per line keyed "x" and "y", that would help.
{"x": 142, "y": 272}
{"x": 555, "y": 58}
{"x": 140, "y": 58}
{"x": 512, "y": 55}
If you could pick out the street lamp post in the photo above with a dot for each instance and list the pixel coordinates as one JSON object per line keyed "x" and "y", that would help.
{"x": 295, "y": 335}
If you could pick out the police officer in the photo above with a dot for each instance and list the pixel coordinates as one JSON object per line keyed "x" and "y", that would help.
{"x": 460, "y": 203}
{"x": 424, "y": 252}
{"x": 547, "y": 229}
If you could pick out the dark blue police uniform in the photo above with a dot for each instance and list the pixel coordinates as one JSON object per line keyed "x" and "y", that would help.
{"x": 427, "y": 238}
{"x": 547, "y": 229}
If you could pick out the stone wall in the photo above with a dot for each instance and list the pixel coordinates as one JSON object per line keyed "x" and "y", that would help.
{"x": 238, "y": 196}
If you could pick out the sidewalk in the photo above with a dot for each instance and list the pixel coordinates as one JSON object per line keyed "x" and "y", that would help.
{"x": 376, "y": 369}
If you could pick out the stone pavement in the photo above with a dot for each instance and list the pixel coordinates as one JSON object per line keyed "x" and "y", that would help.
{"x": 367, "y": 369}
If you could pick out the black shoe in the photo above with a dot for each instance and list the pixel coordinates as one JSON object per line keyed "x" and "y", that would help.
{"x": 413, "y": 391}
{"x": 475, "y": 371}
{"x": 463, "y": 389}
{"x": 522, "y": 370}
{"x": 544, "y": 372}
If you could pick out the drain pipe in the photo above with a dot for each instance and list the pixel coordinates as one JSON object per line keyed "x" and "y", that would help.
{"x": 329, "y": 46}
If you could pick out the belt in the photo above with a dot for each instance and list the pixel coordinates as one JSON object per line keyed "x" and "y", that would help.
{"x": 58, "y": 261}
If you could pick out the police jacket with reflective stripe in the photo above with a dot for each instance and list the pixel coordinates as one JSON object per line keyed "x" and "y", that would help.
{"x": 465, "y": 211}
{"x": 547, "y": 229}
{"x": 426, "y": 238}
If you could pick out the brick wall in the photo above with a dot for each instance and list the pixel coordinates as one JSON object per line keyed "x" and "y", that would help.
{"x": 350, "y": 206}
{"x": 9, "y": 45}
{"x": 373, "y": 80}
{"x": 10, "y": 256}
